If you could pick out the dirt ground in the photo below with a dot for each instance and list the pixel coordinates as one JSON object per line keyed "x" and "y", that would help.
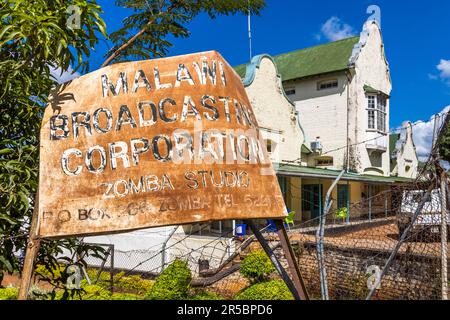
{"x": 380, "y": 238}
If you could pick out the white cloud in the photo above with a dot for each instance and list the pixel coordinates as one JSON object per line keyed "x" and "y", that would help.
{"x": 423, "y": 136}
{"x": 65, "y": 76}
{"x": 334, "y": 29}
{"x": 444, "y": 68}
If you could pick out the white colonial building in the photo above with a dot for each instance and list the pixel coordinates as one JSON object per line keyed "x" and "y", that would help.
{"x": 341, "y": 92}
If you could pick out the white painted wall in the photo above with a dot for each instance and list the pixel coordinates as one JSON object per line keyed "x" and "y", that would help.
{"x": 275, "y": 113}
{"x": 323, "y": 113}
{"x": 407, "y": 160}
{"x": 371, "y": 68}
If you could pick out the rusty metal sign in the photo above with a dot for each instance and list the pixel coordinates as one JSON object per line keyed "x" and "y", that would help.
{"x": 153, "y": 143}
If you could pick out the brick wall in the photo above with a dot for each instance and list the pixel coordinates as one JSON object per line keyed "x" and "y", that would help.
{"x": 411, "y": 276}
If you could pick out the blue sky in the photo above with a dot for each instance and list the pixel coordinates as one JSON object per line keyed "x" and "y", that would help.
{"x": 416, "y": 36}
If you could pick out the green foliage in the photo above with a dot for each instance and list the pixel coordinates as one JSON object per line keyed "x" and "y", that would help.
{"x": 87, "y": 292}
{"x": 34, "y": 38}
{"x": 103, "y": 277}
{"x": 10, "y": 293}
{"x": 206, "y": 295}
{"x": 159, "y": 20}
{"x": 132, "y": 283}
{"x": 272, "y": 290}
{"x": 354, "y": 287}
{"x": 444, "y": 142}
{"x": 125, "y": 296}
{"x": 341, "y": 213}
{"x": 173, "y": 283}
{"x": 257, "y": 266}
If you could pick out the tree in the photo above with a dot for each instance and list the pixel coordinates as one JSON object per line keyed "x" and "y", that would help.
{"x": 156, "y": 20}
{"x": 35, "y": 38}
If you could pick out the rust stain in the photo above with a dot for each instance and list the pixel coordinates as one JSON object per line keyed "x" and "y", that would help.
{"x": 153, "y": 143}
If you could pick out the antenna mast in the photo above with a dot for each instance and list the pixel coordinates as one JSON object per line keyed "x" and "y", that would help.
{"x": 249, "y": 31}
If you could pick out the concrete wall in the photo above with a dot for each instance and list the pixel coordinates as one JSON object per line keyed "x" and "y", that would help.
{"x": 275, "y": 113}
{"x": 371, "y": 68}
{"x": 407, "y": 160}
{"x": 323, "y": 114}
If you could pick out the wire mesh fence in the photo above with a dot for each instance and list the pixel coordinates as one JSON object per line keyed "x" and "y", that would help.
{"x": 396, "y": 252}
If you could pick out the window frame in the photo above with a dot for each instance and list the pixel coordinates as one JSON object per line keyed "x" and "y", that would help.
{"x": 290, "y": 91}
{"x": 334, "y": 83}
{"x": 376, "y": 112}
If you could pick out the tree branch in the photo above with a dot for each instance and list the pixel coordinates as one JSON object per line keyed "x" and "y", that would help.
{"x": 133, "y": 39}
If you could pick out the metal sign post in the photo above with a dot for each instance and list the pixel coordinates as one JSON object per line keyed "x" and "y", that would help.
{"x": 296, "y": 286}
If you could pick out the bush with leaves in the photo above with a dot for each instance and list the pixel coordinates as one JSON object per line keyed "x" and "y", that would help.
{"x": 256, "y": 267}
{"x": 271, "y": 290}
{"x": 132, "y": 284}
{"x": 173, "y": 283}
{"x": 126, "y": 296}
{"x": 206, "y": 295}
{"x": 35, "y": 40}
{"x": 87, "y": 292}
{"x": 9, "y": 293}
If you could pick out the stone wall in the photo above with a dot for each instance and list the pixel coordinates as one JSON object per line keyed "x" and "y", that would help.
{"x": 411, "y": 276}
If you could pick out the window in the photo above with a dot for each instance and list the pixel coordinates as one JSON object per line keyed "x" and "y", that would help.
{"x": 324, "y": 162}
{"x": 329, "y": 84}
{"x": 269, "y": 145}
{"x": 290, "y": 91}
{"x": 343, "y": 196}
{"x": 376, "y": 113}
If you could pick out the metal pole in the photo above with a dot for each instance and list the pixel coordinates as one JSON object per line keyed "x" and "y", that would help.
{"x": 444, "y": 245}
{"x": 348, "y": 201}
{"x": 385, "y": 205}
{"x": 31, "y": 253}
{"x": 370, "y": 202}
{"x": 163, "y": 248}
{"x": 320, "y": 238}
{"x": 111, "y": 271}
{"x": 292, "y": 262}
{"x": 249, "y": 33}
{"x": 274, "y": 259}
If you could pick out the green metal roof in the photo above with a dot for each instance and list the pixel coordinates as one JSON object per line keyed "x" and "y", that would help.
{"x": 370, "y": 89}
{"x": 326, "y": 58}
{"x": 308, "y": 172}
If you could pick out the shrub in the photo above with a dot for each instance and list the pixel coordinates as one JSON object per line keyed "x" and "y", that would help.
{"x": 206, "y": 295}
{"x": 52, "y": 273}
{"x": 87, "y": 292}
{"x": 104, "y": 275}
{"x": 9, "y": 293}
{"x": 173, "y": 283}
{"x": 257, "y": 266}
{"x": 133, "y": 283}
{"x": 272, "y": 290}
{"x": 125, "y": 296}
